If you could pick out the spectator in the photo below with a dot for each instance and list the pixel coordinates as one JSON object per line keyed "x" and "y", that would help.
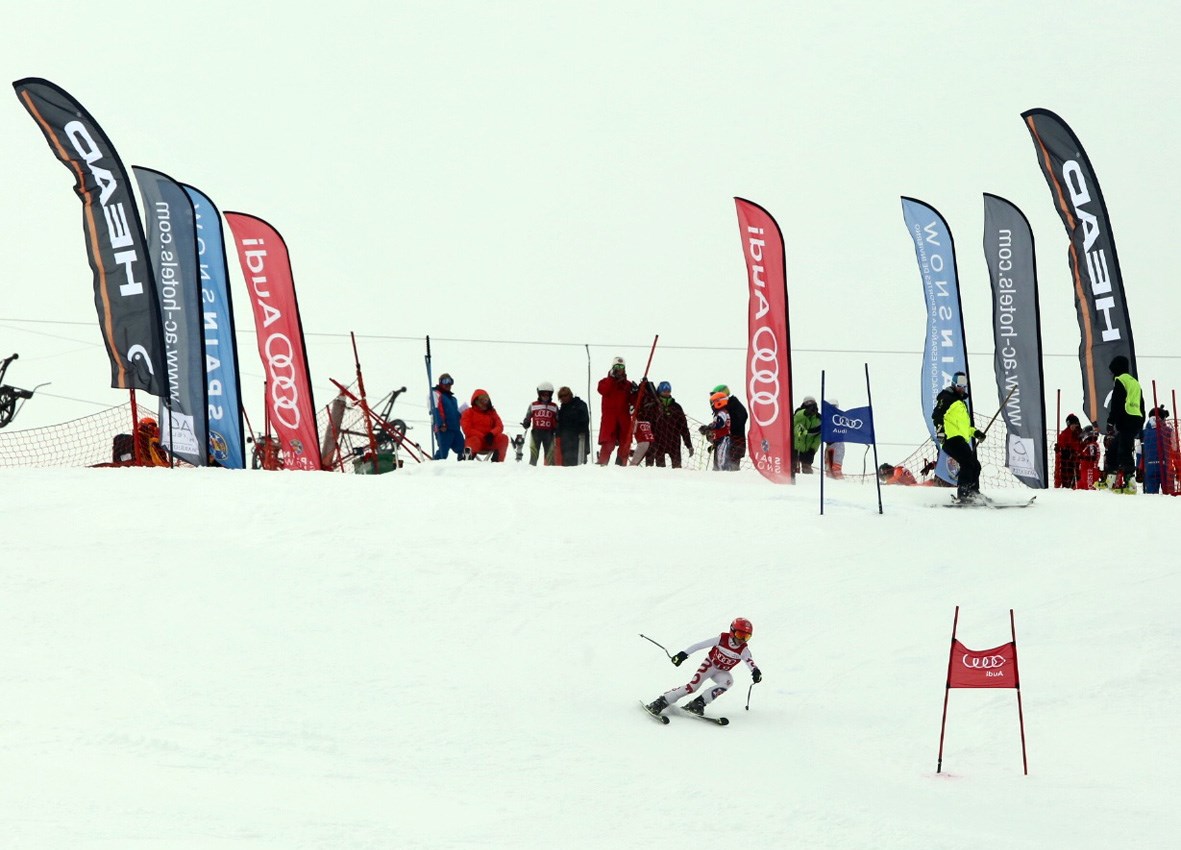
{"x": 148, "y": 451}
{"x": 960, "y": 438}
{"x": 543, "y": 416}
{"x": 834, "y": 455}
{"x": 1160, "y": 453}
{"x": 738, "y": 418}
{"x": 1066, "y": 454}
{"x": 483, "y": 427}
{"x": 1126, "y": 415}
{"x": 806, "y": 434}
{"x": 900, "y": 475}
{"x": 670, "y": 427}
{"x": 573, "y": 428}
{"x": 1088, "y": 460}
{"x": 445, "y": 419}
{"x": 618, "y": 395}
{"x": 718, "y": 431}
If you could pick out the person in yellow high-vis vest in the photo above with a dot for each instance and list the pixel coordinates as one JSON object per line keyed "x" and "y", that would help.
{"x": 1126, "y": 415}
{"x": 959, "y": 438}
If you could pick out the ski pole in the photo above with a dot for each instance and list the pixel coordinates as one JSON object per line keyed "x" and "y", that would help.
{"x": 999, "y": 409}
{"x": 748, "y": 690}
{"x": 666, "y": 652}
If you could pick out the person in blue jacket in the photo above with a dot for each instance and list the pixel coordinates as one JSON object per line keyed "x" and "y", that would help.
{"x": 445, "y": 419}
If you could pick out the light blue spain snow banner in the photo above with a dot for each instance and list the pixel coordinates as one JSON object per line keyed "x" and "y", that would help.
{"x": 226, "y": 445}
{"x": 846, "y": 426}
{"x": 944, "y": 350}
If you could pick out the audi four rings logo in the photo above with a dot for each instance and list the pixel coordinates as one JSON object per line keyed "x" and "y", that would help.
{"x": 764, "y": 379}
{"x": 845, "y": 422}
{"x": 983, "y": 662}
{"x": 284, "y": 392}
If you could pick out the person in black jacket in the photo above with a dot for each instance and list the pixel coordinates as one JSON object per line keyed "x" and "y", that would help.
{"x": 1126, "y": 415}
{"x": 573, "y": 428}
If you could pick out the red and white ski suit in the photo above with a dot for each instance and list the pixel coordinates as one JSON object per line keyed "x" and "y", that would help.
{"x": 724, "y": 655}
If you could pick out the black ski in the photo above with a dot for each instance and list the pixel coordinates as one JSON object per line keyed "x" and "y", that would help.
{"x": 653, "y": 714}
{"x": 717, "y": 721}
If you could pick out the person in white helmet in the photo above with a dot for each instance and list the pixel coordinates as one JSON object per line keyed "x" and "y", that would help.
{"x": 542, "y": 416}
{"x": 618, "y": 396}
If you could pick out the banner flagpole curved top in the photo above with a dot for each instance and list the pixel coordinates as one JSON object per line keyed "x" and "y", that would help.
{"x": 124, "y": 286}
{"x": 1104, "y": 325}
{"x": 289, "y": 403}
{"x": 768, "y": 365}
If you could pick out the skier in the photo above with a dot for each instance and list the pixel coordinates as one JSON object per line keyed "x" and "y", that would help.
{"x": 959, "y": 434}
{"x": 738, "y": 417}
{"x": 669, "y": 427}
{"x": 725, "y": 651}
{"x": 644, "y": 440}
{"x": 718, "y": 431}
{"x": 1066, "y": 450}
{"x": 806, "y": 431}
{"x": 543, "y": 416}
{"x": 834, "y": 454}
{"x": 1127, "y": 416}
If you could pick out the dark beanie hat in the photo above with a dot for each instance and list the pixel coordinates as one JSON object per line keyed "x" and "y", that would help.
{"x": 1071, "y": 418}
{"x": 1119, "y": 365}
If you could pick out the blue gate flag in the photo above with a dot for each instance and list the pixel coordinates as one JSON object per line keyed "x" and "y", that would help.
{"x": 846, "y": 426}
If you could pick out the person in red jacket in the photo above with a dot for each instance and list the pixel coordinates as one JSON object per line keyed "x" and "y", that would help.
{"x": 482, "y": 428}
{"x": 1088, "y": 460}
{"x": 900, "y": 475}
{"x": 1067, "y": 449}
{"x": 618, "y": 394}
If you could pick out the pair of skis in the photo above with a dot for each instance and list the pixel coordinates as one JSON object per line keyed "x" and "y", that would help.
{"x": 982, "y": 501}
{"x": 717, "y": 721}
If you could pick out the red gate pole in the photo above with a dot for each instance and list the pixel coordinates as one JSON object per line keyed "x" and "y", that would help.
{"x": 625, "y": 447}
{"x": 1017, "y": 676}
{"x": 947, "y": 689}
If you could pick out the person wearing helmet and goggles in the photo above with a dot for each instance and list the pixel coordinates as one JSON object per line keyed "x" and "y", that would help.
{"x": 726, "y": 651}
{"x": 717, "y": 431}
{"x": 542, "y": 415}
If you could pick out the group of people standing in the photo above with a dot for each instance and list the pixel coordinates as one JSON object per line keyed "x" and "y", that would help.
{"x": 560, "y": 432}
{"x": 640, "y": 423}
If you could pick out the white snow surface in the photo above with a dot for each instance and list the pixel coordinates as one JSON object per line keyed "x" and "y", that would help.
{"x": 449, "y": 656}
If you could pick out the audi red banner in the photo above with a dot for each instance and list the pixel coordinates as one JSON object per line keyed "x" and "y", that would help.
{"x": 987, "y": 668}
{"x": 267, "y": 269}
{"x": 768, "y": 365}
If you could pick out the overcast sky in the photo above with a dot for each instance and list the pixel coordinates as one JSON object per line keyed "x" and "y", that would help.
{"x": 542, "y": 173}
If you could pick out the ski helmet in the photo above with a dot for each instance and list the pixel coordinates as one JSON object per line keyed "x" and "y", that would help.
{"x": 808, "y": 400}
{"x": 545, "y": 387}
{"x": 719, "y": 400}
{"x": 617, "y": 363}
{"x": 721, "y": 388}
{"x": 834, "y": 402}
{"x": 445, "y": 380}
{"x": 664, "y": 387}
{"x": 742, "y": 626}
{"x": 960, "y": 381}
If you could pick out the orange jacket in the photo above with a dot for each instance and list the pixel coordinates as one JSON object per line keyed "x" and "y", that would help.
{"x": 478, "y": 423}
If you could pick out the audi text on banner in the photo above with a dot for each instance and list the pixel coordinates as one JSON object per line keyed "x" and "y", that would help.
{"x": 1017, "y": 334}
{"x": 172, "y": 250}
{"x": 267, "y": 269}
{"x": 768, "y": 362}
{"x": 124, "y": 288}
{"x": 1104, "y": 325}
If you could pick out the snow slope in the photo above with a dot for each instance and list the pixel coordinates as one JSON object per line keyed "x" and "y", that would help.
{"x": 449, "y": 657}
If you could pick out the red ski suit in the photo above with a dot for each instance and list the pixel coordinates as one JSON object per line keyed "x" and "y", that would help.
{"x": 618, "y": 394}
{"x": 483, "y": 430}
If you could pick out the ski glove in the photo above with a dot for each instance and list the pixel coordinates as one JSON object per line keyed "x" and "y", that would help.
{"x": 678, "y": 658}
{"x": 757, "y": 675}
{"x": 690, "y": 451}
{"x": 980, "y": 436}
{"x": 704, "y": 429}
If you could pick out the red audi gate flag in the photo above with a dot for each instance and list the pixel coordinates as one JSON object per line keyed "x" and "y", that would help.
{"x": 267, "y": 270}
{"x": 986, "y": 668}
{"x": 768, "y": 365}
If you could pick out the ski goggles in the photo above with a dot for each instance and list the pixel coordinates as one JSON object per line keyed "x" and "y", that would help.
{"x": 446, "y": 382}
{"x": 742, "y": 636}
